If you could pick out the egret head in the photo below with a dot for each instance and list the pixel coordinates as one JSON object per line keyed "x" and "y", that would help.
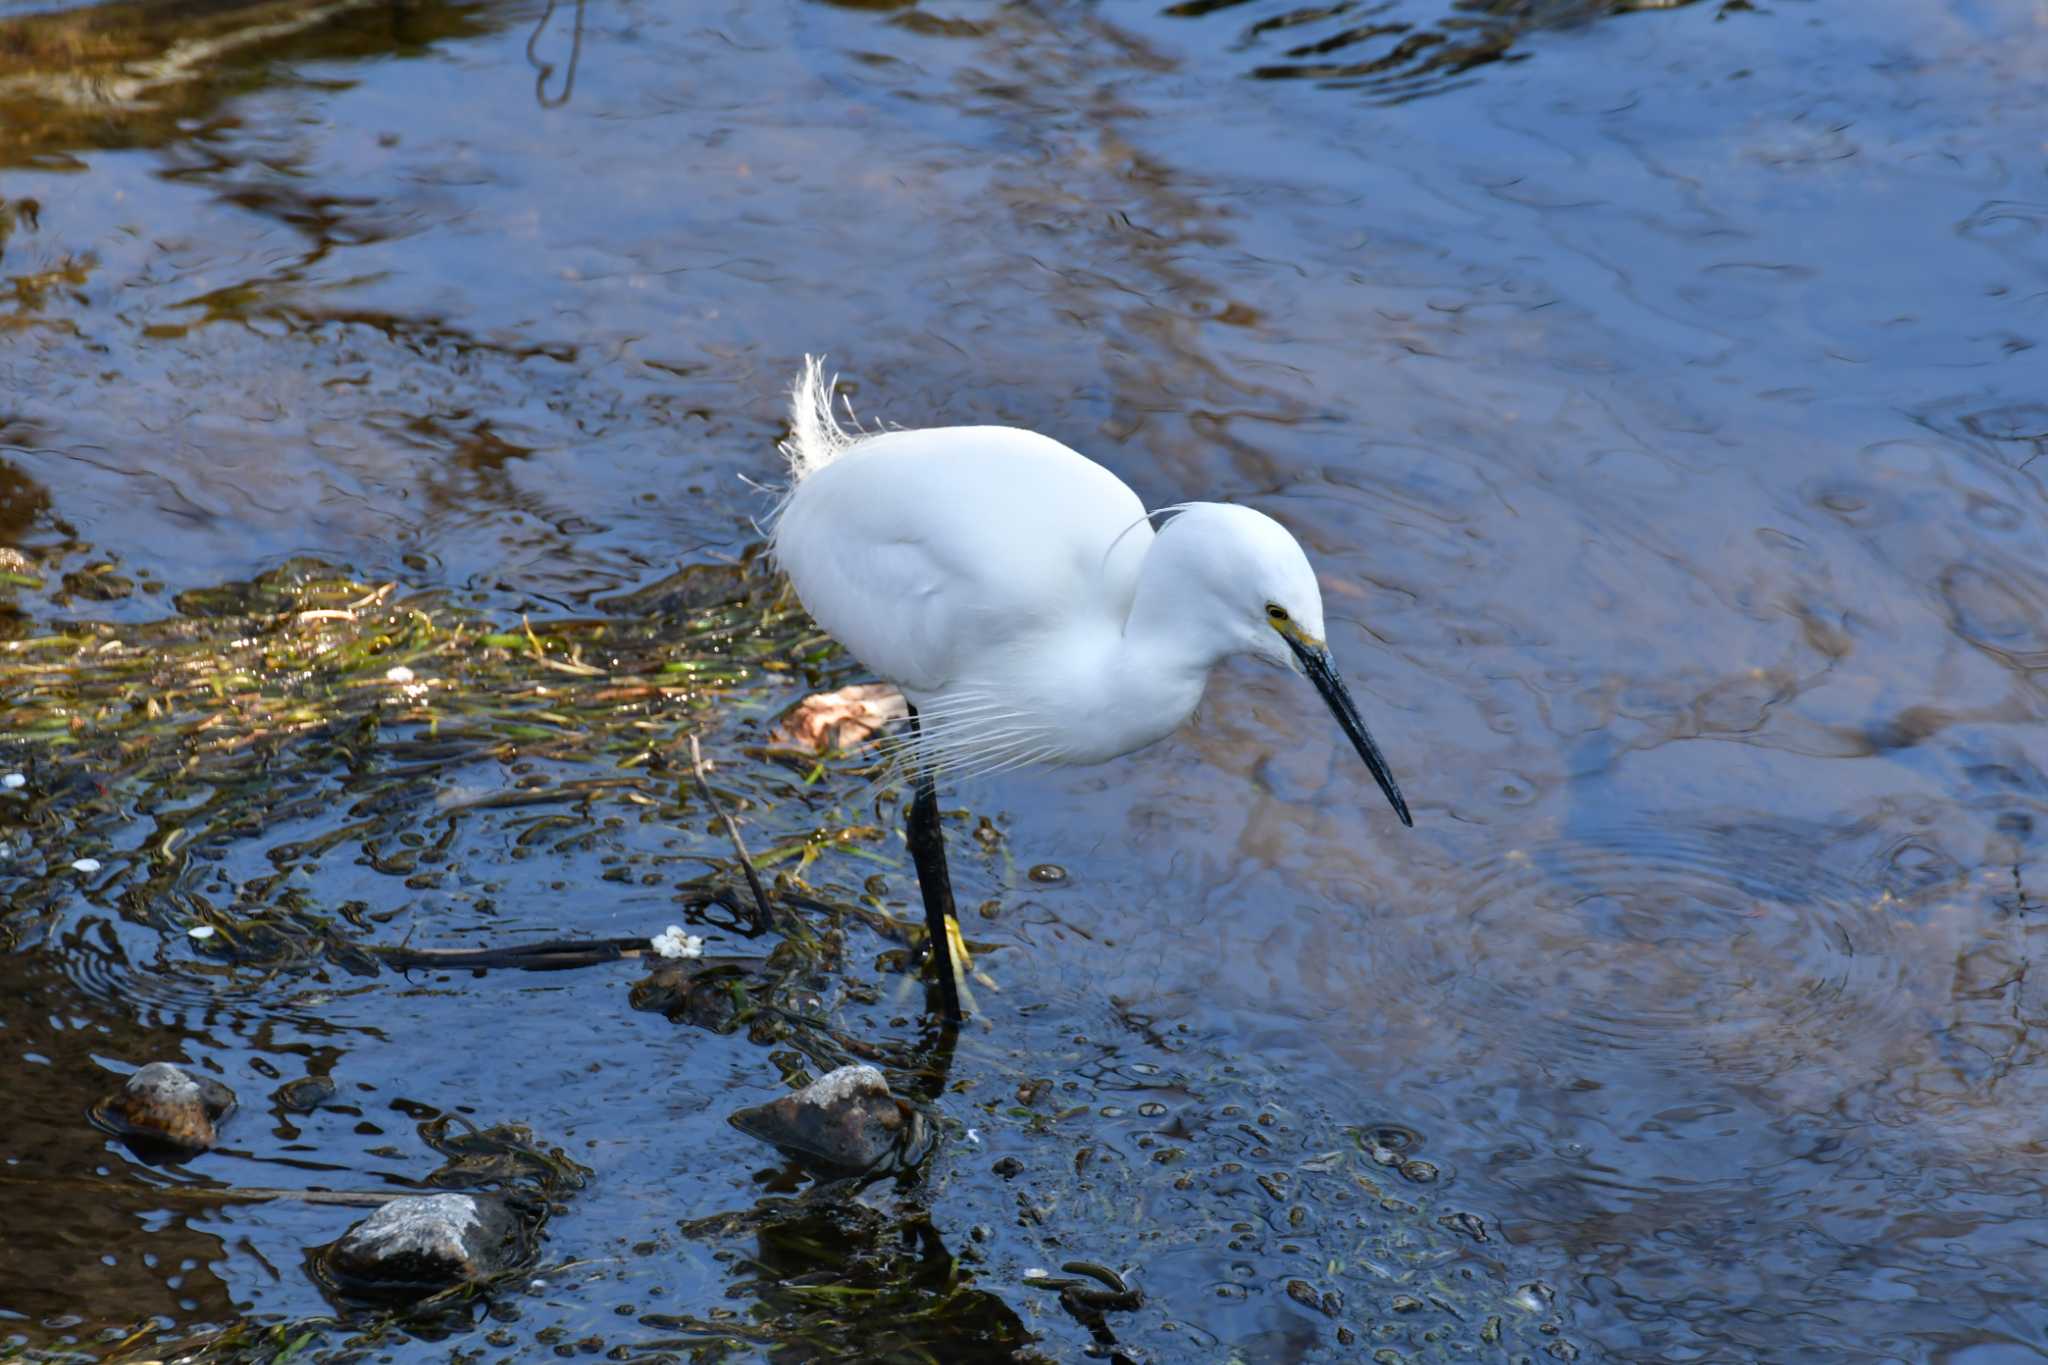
{"x": 1255, "y": 577}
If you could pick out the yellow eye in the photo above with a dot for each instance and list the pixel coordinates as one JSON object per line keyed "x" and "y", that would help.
{"x": 1275, "y": 613}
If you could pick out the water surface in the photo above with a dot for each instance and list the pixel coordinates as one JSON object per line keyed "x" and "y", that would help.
{"x": 1658, "y": 393}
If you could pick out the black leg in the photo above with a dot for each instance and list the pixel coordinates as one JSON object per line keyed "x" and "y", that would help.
{"x": 928, "y": 852}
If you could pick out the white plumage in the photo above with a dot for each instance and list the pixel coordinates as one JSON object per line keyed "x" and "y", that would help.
{"x": 1017, "y": 593}
{"x": 1019, "y": 596}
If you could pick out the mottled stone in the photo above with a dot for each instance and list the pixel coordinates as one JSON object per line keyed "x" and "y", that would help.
{"x": 427, "y": 1242}
{"x": 846, "y": 1119}
{"x": 165, "y": 1105}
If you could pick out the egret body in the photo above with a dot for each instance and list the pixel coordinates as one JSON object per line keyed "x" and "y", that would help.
{"x": 1019, "y": 596}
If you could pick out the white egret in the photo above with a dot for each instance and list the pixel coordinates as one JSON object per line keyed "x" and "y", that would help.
{"x": 1018, "y": 595}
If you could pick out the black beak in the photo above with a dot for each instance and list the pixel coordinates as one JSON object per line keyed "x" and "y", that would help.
{"x": 1316, "y": 663}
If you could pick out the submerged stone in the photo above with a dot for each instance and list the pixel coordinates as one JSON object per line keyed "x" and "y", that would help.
{"x": 98, "y": 583}
{"x": 683, "y": 593}
{"x": 275, "y": 590}
{"x": 846, "y": 1119}
{"x": 163, "y": 1106}
{"x": 303, "y": 1095}
{"x": 703, "y": 991}
{"x": 1470, "y": 1224}
{"x": 421, "y": 1243}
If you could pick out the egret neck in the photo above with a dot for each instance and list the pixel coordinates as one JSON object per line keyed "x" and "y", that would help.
{"x": 1175, "y": 633}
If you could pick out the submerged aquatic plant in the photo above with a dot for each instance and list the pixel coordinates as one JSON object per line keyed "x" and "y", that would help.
{"x": 194, "y": 775}
{"x": 269, "y": 701}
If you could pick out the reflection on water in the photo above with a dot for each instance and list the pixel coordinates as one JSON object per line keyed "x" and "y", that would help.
{"x": 1658, "y": 393}
{"x": 1400, "y": 51}
{"x": 136, "y": 73}
{"x": 71, "y": 1204}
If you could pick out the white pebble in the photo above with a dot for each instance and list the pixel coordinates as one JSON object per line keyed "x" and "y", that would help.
{"x": 1036, "y": 1273}
{"x": 85, "y": 865}
{"x": 672, "y": 942}
{"x": 201, "y": 931}
{"x": 400, "y": 674}
{"x": 13, "y": 780}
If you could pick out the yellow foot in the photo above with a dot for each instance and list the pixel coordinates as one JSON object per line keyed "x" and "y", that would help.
{"x": 963, "y": 961}
{"x": 964, "y": 969}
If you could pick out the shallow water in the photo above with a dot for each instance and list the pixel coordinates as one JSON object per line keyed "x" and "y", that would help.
{"x": 1659, "y": 400}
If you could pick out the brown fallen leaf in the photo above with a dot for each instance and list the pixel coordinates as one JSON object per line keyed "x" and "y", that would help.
{"x": 840, "y": 720}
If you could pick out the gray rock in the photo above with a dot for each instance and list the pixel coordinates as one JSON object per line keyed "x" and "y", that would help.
{"x": 427, "y": 1242}
{"x": 167, "y": 1106}
{"x": 845, "y": 1119}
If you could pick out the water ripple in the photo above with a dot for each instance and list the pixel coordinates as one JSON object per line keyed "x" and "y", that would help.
{"x": 1731, "y": 949}
{"x": 1399, "y": 51}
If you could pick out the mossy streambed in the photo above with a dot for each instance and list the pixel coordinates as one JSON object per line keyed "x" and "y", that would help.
{"x": 245, "y": 831}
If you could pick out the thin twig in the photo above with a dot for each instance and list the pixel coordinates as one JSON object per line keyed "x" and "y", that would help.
{"x": 554, "y": 955}
{"x": 764, "y": 916}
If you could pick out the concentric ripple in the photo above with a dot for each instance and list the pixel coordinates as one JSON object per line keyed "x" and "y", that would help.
{"x": 1735, "y": 950}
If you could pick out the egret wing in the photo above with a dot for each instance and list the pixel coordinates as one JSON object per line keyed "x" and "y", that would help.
{"x": 893, "y": 604}
{"x": 927, "y": 552}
